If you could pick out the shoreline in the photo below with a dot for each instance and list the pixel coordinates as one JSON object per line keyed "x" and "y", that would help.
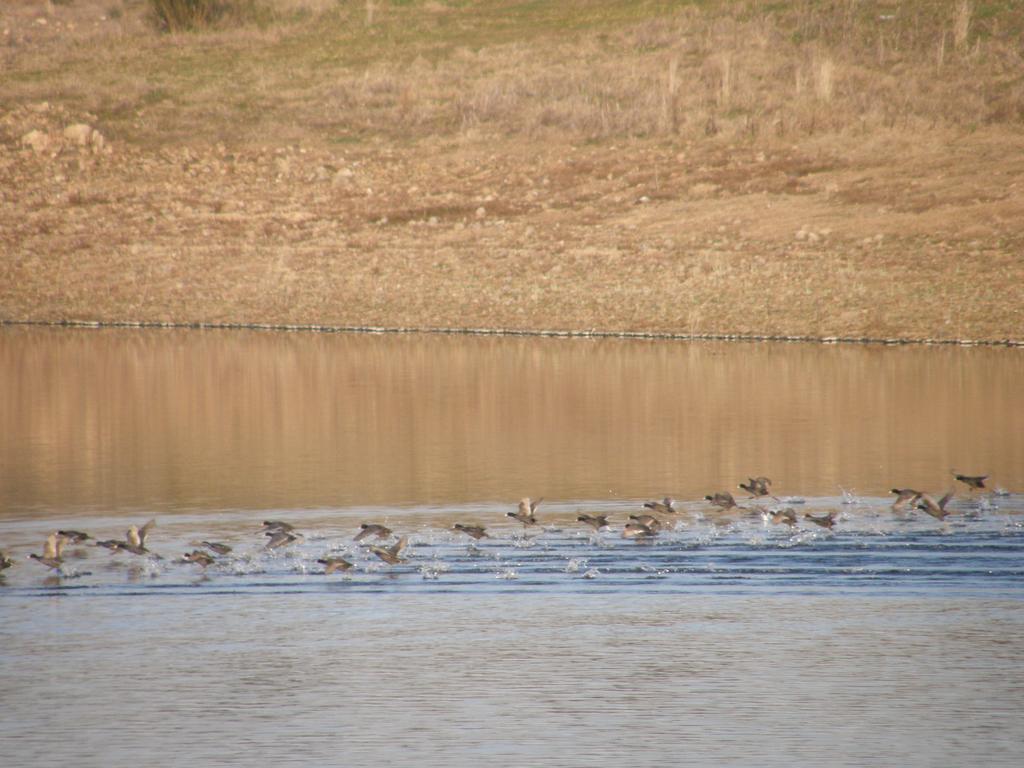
{"x": 538, "y": 333}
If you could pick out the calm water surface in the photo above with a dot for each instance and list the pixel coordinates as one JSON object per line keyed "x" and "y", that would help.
{"x": 891, "y": 639}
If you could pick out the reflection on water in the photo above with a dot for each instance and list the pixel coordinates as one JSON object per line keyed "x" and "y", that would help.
{"x": 128, "y": 419}
{"x": 891, "y": 639}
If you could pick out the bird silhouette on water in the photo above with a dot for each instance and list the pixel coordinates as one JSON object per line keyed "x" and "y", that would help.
{"x": 216, "y": 546}
{"x": 276, "y": 525}
{"x": 199, "y": 557}
{"x": 597, "y": 522}
{"x": 723, "y": 500}
{"x": 666, "y": 506}
{"x": 635, "y": 530}
{"x": 825, "y": 521}
{"x": 372, "y": 529}
{"x": 650, "y": 522}
{"x": 391, "y": 554}
{"x": 74, "y": 537}
{"x": 785, "y": 516}
{"x": 904, "y": 496}
{"x": 277, "y": 539}
{"x": 333, "y": 564}
{"x": 475, "y": 531}
{"x": 757, "y": 486}
{"x": 973, "y": 482}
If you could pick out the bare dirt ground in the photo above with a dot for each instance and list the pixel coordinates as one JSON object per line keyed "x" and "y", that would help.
{"x": 892, "y": 232}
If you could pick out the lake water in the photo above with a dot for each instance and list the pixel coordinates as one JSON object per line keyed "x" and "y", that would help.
{"x": 727, "y": 639}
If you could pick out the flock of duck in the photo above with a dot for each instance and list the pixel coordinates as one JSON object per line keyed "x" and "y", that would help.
{"x": 656, "y": 517}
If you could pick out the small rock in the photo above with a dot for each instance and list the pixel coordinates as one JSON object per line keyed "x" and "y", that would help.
{"x": 37, "y": 140}
{"x": 481, "y": 212}
{"x": 79, "y": 133}
{"x": 703, "y": 189}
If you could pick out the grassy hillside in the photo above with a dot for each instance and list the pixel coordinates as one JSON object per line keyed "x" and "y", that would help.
{"x": 831, "y": 168}
{"x": 318, "y": 71}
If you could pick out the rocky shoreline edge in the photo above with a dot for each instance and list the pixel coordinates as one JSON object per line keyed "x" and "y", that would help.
{"x": 645, "y": 335}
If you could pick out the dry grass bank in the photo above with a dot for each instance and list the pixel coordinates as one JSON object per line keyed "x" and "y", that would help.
{"x": 843, "y": 168}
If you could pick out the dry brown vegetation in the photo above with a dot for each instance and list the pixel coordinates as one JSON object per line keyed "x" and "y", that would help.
{"x": 829, "y": 169}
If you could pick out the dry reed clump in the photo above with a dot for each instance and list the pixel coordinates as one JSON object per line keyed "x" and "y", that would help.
{"x": 962, "y": 24}
{"x": 694, "y": 73}
{"x": 192, "y": 15}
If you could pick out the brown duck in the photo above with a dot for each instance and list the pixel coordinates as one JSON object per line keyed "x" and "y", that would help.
{"x": 723, "y": 500}
{"x": 648, "y": 521}
{"x": 53, "y": 549}
{"x": 476, "y": 531}
{"x": 974, "y": 482}
{"x": 526, "y": 512}
{"x": 372, "y": 529}
{"x": 74, "y": 537}
{"x": 666, "y": 506}
{"x": 904, "y": 496}
{"x": 216, "y": 546}
{"x": 756, "y": 486}
{"x": 825, "y": 521}
{"x": 391, "y": 554}
{"x": 276, "y": 525}
{"x": 597, "y": 522}
{"x": 936, "y": 509}
{"x": 637, "y": 530}
{"x": 199, "y": 557}
{"x": 785, "y": 516}
{"x": 333, "y": 564}
{"x": 278, "y": 539}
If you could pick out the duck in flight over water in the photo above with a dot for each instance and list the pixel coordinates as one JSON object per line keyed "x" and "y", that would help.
{"x": 526, "y": 512}
{"x": 372, "y": 529}
{"x": 391, "y": 554}
{"x": 973, "y": 482}
{"x": 53, "y": 549}
{"x": 334, "y": 564}
{"x": 756, "y": 486}
{"x": 936, "y": 509}
{"x": 904, "y": 496}
{"x": 825, "y": 521}
{"x": 597, "y": 522}
{"x": 666, "y": 506}
{"x": 723, "y": 500}
{"x": 476, "y": 531}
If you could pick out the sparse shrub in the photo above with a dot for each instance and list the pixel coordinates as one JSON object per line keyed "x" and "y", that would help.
{"x": 191, "y": 15}
{"x": 182, "y": 15}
